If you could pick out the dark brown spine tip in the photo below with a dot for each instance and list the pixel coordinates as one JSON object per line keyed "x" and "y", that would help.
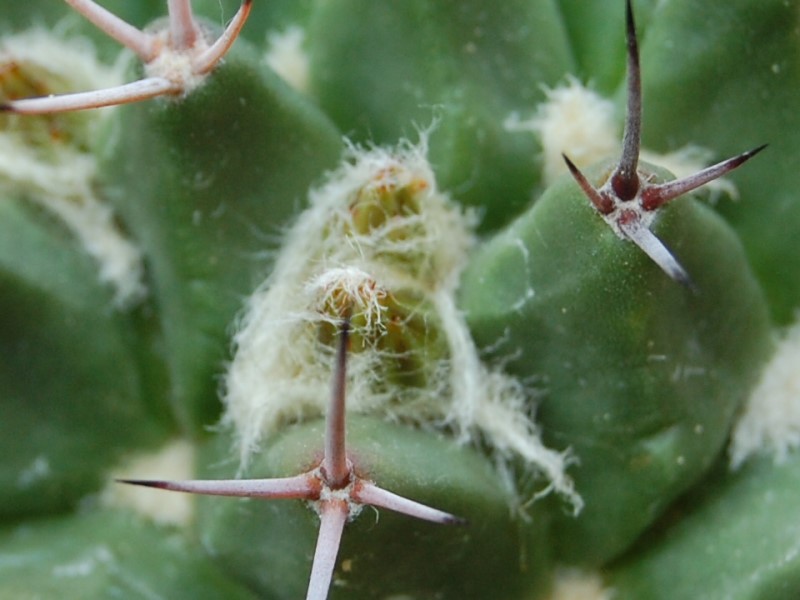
{"x": 745, "y": 156}
{"x": 631, "y": 140}
{"x": 456, "y": 521}
{"x": 603, "y": 204}
{"x": 143, "y": 483}
{"x": 630, "y": 29}
{"x": 6, "y": 108}
{"x": 571, "y": 166}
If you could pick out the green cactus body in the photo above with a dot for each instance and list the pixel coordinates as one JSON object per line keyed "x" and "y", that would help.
{"x": 731, "y": 521}
{"x": 584, "y": 307}
{"x": 65, "y": 416}
{"x": 453, "y": 63}
{"x": 720, "y": 104}
{"x": 199, "y": 266}
{"x": 107, "y": 554}
{"x": 206, "y": 209}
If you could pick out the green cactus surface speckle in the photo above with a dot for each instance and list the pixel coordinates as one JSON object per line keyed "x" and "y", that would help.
{"x": 444, "y": 291}
{"x": 578, "y": 313}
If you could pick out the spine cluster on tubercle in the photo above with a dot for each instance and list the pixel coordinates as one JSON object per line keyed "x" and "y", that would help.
{"x": 380, "y": 232}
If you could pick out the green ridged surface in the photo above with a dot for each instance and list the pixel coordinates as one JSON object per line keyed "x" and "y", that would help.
{"x": 736, "y": 537}
{"x": 107, "y": 554}
{"x": 73, "y": 396}
{"x": 640, "y": 376}
{"x": 386, "y": 69}
{"x": 206, "y": 185}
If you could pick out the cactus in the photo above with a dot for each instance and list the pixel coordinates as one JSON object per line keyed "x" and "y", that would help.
{"x": 349, "y": 259}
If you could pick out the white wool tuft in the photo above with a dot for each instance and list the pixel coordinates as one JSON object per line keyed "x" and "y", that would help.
{"x": 770, "y": 423}
{"x": 59, "y": 176}
{"x": 288, "y": 58}
{"x": 362, "y": 292}
{"x": 403, "y": 264}
{"x": 575, "y": 584}
{"x": 573, "y": 120}
{"x": 175, "y": 461}
{"x": 577, "y": 121}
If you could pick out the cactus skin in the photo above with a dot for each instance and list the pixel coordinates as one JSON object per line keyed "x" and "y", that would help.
{"x": 597, "y": 309}
{"x": 721, "y": 104}
{"x": 428, "y": 468}
{"x": 722, "y": 74}
{"x": 206, "y": 211}
{"x": 65, "y": 416}
{"x": 453, "y": 62}
{"x": 107, "y": 554}
{"x": 729, "y": 521}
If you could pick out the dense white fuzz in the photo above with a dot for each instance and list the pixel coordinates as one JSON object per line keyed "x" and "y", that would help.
{"x": 173, "y": 461}
{"x": 577, "y": 121}
{"x": 770, "y": 423}
{"x": 47, "y": 160}
{"x": 497, "y": 407}
{"x": 70, "y": 63}
{"x": 287, "y": 57}
{"x": 574, "y": 120}
{"x": 575, "y": 584}
{"x": 176, "y": 67}
{"x": 381, "y": 242}
{"x": 348, "y": 289}
{"x": 280, "y": 372}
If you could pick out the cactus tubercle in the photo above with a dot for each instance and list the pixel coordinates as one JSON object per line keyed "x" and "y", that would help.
{"x": 333, "y": 488}
{"x": 628, "y": 200}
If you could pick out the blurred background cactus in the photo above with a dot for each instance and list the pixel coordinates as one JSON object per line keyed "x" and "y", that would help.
{"x": 172, "y": 274}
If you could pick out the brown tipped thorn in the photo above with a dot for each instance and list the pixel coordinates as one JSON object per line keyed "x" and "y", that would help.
{"x": 302, "y": 487}
{"x": 211, "y": 57}
{"x": 144, "y": 89}
{"x": 602, "y": 203}
{"x": 141, "y": 43}
{"x": 183, "y": 28}
{"x": 333, "y": 488}
{"x": 658, "y": 195}
{"x": 159, "y": 50}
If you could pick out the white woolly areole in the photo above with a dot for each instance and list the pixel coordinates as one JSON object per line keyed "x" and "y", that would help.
{"x": 287, "y": 57}
{"x": 575, "y": 584}
{"x": 577, "y": 121}
{"x": 60, "y": 176}
{"x": 175, "y": 461}
{"x": 71, "y": 60}
{"x": 177, "y": 65}
{"x": 770, "y": 423}
{"x": 573, "y": 120}
{"x": 281, "y": 372}
{"x": 363, "y": 292}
